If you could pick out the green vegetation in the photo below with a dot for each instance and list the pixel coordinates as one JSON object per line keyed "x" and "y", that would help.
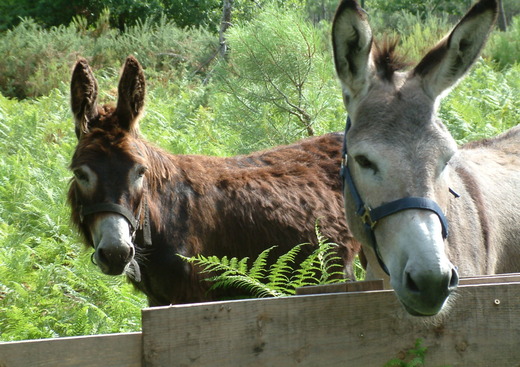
{"x": 414, "y": 357}
{"x": 280, "y": 279}
{"x": 277, "y": 86}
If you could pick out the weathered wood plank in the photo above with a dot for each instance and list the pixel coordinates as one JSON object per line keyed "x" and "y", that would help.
{"x": 115, "y": 350}
{"x": 360, "y": 286}
{"x": 490, "y": 279}
{"x": 482, "y": 329}
{"x": 374, "y": 285}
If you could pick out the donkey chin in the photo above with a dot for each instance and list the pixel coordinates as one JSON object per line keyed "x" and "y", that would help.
{"x": 416, "y": 306}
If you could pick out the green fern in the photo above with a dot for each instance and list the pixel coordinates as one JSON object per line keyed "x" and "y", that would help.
{"x": 321, "y": 267}
{"x": 415, "y": 357}
{"x": 277, "y": 280}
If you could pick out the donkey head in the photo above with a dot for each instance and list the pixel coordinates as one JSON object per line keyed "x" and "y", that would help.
{"x": 398, "y": 148}
{"x": 107, "y": 190}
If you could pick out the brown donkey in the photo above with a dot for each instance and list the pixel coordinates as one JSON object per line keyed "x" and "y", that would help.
{"x": 139, "y": 206}
{"x": 403, "y": 168}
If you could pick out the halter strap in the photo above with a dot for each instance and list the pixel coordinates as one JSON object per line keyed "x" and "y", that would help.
{"x": 370, "y": 217}
{"x": 134, "y": 221}
{"x": 109, "y": 207}
{"x": 410, "y": 202}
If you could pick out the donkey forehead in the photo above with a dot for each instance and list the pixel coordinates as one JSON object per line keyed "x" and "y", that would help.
{"x": 114, "y": 151}
{"x": 400, "y": 115}
{"x": 397, "y": 99}
{"x": 402, "y": 136}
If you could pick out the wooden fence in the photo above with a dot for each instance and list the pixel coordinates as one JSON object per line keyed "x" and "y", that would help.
{"x": 360, "y": 328}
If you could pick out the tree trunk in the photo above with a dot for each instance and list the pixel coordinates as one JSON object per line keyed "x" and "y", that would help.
{"x": 502, "y": 23}
{"x": 224, "y": 25}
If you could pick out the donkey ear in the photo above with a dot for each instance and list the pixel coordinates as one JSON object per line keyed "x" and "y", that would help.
{"x": 447, "y": 62}
{"x": 131, "y": 93}
{"x": 83, "y": 96}
{"x": 352, "y": 42}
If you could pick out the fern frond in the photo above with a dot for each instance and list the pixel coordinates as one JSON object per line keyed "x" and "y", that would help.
{"x": 281, "y": 268}
{"x": 322, "y": 266}
{"x": 329, "y": 263}
{"x": 252, "y": 286}
{"x": 258, "y": 269}
{"x": 211, "y": 264}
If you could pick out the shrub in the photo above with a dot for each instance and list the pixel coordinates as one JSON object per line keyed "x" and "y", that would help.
{"x": 279, "y": 84}
{"x": 416, "y": 36}
{"x": 36, "y": 60}
{"x": 422, "y": 8}
{"x": 484, "y": 104}
{"x": 504, "y": 47}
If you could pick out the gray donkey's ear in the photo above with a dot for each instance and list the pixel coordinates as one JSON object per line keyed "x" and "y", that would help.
{"x": 452, "y": 57}
{"x": 352, "y": 45}
{"x": 131, "y": 94}
{"x": 83, "y": 96}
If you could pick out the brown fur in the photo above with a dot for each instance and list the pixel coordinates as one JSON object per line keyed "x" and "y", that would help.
{"x": 235, "y": 206}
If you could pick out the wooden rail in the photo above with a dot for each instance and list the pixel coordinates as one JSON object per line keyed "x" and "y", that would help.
{"x": 114, "y": 350}
{"x": 360, "y": 328}
{"x": 481, "y": 329}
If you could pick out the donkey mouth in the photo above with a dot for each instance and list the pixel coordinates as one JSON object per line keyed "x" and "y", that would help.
{"x": 422, "y": 305}
{"x": 114, "y": 259}
{"x": 113, "y": 269}
{"x": 417, "y": 313}
{"x": 133, "y": 271}
{"x": 112, "y": 266}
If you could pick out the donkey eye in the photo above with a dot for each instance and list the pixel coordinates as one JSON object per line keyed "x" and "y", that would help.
{"x": 141, "y": 171}
{"x": 81, "y": 175}
{"x": 365, "y": 163}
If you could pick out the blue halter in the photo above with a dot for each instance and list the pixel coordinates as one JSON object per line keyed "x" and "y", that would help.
{"x": 370, "y": 216}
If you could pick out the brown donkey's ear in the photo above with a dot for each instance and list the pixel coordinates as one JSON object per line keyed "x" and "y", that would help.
{"x": 83, "y": 96}
{"x": 131, "y": 92}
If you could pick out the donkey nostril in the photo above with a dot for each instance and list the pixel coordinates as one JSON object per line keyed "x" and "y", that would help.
{"x": 131, "y": 253}
{"x": 101, "y": 255}
{"x": 454, "y": 281}
{"x": 410, "y": 283}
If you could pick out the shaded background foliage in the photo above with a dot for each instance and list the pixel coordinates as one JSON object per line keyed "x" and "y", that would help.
{"x": 277, "y": 85}
{"x": 49, "y": 13}
{"x": 187, "y": 13}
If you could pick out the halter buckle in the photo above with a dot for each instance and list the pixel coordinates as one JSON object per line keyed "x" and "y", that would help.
{"x": 366, "y": 217}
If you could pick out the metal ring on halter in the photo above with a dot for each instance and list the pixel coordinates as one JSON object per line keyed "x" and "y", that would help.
{"x": 92, "y": 258}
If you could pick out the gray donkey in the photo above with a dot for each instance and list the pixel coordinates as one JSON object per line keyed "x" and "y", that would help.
{"x": 404, "y": 173}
